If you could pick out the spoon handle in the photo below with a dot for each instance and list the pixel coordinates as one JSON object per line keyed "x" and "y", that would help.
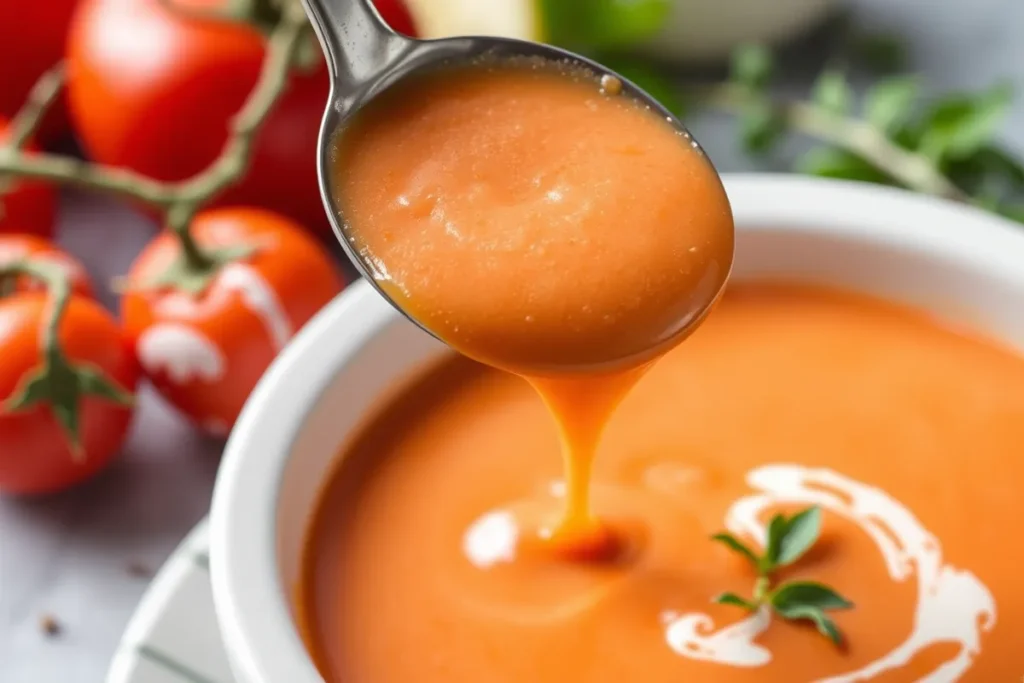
{"x": 357, "y": 42}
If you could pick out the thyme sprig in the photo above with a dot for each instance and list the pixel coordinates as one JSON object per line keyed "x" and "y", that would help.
{"x": 788, "y": 539}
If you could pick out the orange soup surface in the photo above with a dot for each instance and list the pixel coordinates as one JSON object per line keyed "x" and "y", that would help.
{"x": 906, "y": 434}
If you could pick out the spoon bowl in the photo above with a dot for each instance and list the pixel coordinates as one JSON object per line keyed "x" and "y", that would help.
{"x": 365, "y": 57}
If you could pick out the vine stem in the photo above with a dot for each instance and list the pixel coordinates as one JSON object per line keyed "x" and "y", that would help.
{"x": 231, "y": 11}
{"x": 58, "y": 381}
{"x": 283, "y": 48}
{"x": 762, "y": 587}
{"x": 28, "y": 119}
{"x": 180, "y": 200}
{"x": 913, "y": 170}
{"x": 58, "y": 288}
{"x": 42, "y": 96}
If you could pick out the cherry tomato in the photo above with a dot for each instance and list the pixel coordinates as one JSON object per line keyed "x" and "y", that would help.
{"x": 15, "y": 248}
{"x": 32, "y": 38}
{"x": 26, "y": 206}
{"x": 35, "y": 452}
{"x": 205, "y": 352}
{"x": 397, "y": 15}
{"x": 155, "y": 91}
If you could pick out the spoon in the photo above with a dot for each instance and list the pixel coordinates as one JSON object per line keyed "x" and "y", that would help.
{"x": 365, "y": 57}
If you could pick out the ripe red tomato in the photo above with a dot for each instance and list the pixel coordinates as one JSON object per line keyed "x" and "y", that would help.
{"x": 35, "y": 452}
{"x": 32, "y": 38}
{"x": 154, "y": 91}
{"x": 206, "y": 352}
{"x": 26, "y": 206}
{"x": 14, "y": 248}
{"x": 397, "y": 15}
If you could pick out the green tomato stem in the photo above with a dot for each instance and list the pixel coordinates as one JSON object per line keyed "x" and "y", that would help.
{"x": 232, "y": 11}
{"x": 57, "y": 382}
{"x": 42, "y": 96}
{"x": 762, "y": 587}
{"x": 58, "y": 286}
{"x": 195, "y": 258}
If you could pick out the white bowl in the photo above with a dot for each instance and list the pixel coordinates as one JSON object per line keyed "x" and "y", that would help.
{"x": 959, "y": 263}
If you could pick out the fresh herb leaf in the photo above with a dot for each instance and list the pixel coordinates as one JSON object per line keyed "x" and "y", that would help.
{"x": 832, "y": 92}
{"x": 808, "y": 593}
{"x": 1014, "y": 212}
{"x": 761, "y": 127}
{"x": 602, "y": 24}
{"x": 833, "y": 162}
{"x": 826, "y": 626}
{"x": 800, "y": 534}
{"x": 999, "y": 162}
{"x": 947, "y": 148}
{"x": 738, "y": 546}
{"x": 788, "y": 539}
{"x": 733, "y": 599}
{"x": 752, "y": 66}
{"x": 908, "y": 136}
{"x": 890, "y": 103}
{"x": 776, "y": 530}
{"x": 960, "y": 125}
{"x": 990, "y": 174}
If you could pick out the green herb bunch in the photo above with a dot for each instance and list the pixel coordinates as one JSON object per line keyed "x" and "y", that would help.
{"x": 894, "y": 135}
{"x": 788, "y": 539}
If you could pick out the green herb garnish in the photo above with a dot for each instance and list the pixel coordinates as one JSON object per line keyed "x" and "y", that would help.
{"x": 788, "y": 540}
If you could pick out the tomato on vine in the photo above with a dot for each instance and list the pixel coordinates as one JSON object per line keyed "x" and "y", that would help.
{"x": 67, "y": 377}
{"x": 397, "y": 15}
{"x": 16, "y": 248}
{"x": 205, "y": 327}
{"x": 153, "y": 88}
{"x": 32, "y": 39}
{"x": 26, "y": 206}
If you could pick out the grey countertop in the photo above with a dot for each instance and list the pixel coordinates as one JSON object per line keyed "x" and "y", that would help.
{"x": 76, "y": 556}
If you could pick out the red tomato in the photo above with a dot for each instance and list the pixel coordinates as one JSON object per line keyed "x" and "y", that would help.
{"x": 35, "y": 453}
{"x": 397, "y": 15}
{"x": 205, "y": 352}
{"x": 154, "y": 91}
{"x": 27, "y": 206}
{"x": 19, "y": 247}
{"x": 32, "y": 38}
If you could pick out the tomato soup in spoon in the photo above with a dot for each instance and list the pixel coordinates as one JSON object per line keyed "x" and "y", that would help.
{"x": 543, "y": 223}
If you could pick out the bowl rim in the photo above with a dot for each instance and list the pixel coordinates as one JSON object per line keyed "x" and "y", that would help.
{"x": 253, "y": 611}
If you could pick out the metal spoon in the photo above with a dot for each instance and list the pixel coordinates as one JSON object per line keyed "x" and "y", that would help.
{"x": 365, "y": 57}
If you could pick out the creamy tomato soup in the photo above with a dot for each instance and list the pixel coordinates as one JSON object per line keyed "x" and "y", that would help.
{"x": 543, "y": 224}
{"x": 905, "y": 433}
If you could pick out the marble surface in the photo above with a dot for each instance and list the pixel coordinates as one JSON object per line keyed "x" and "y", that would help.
{"x": 78, "y": 556}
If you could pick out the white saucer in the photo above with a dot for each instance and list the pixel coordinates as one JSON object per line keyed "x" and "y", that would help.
{"x": 173, "y": 635}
